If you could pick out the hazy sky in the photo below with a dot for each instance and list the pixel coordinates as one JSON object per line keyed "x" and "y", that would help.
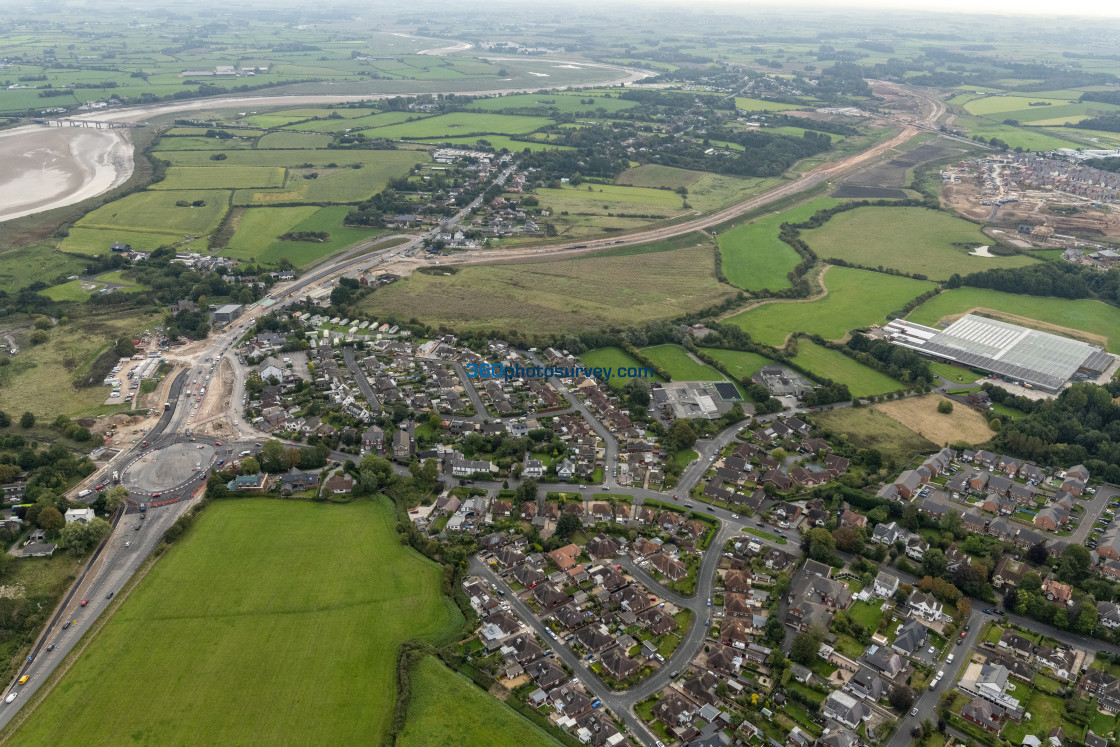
{"x": 1088, "y": 8}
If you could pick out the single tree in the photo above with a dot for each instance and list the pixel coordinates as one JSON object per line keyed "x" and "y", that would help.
{"x": 51, "y": 519}
{"x": 26, "y": 420}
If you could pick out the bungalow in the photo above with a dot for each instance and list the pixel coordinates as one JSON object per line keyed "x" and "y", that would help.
{"x": 1063, "y": 662}
{"x": 910, "y": 638}
{"x": 549, "y": 597}
{"x": 734, "y": 632}
{"x": 658, "y": 622}
{"x": 845, "y": 709}
{"x": 594, "y": 638}
{"x": 672, "y": 569}
{"x": 851, "y": 519}
{"x": 729, "y": 661}
{"x": 985, "y": 714}
{"x": 738, "y": 582}
{"x": 673, "y": 710}
{"x": 866, "y": 685}
{"x": 778, "y": 479}
{"x": 1108, "y": 614}
{"x": 1056, "y": 591}
{"x": 297, "y": 481}
{"x": 1008, "y": 572}
{"x": 565, "y": 470}
{"x": 1016, "y": 644}
{"x": 701, "y": 687}
{"x": 618, "y": 664}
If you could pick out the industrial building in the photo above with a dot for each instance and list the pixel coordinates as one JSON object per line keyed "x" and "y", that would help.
{"x": 1034, "y": 359}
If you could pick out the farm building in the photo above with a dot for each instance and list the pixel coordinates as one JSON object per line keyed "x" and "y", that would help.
{"x": 1035, "y": 359}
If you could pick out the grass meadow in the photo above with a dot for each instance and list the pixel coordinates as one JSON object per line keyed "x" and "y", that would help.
{"x": 446, "y": 708}
{"x": 613, "y": 358}
{"x": 285, "y": 646}
{"x": 856, "y": 298}
{"x": 830, "y": 364}
{"x": 546, "y": 102}
{"x": 740, "y": 364}
{"x": 157, "y": 212}
{"x": 41, "y": 378}
{"x": 232, "y": 177}
{"x": 752, "y": 255}
{"x": 871, "y": 237}
{"x": 676, "y": 362}
{"x": 1074, "y": 318}
{"x": 498, "y": 142}
{"x": 867, "y": 428}
{"x": 655, "y": 175}
{"x": 763, "y": 105}
{"x": 461, "y": 123}
{"x": 561, "y": 295}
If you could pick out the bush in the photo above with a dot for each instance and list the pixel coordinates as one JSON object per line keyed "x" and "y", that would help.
{"x": 945, "y": 407}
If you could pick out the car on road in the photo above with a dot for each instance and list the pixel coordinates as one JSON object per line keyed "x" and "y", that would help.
{"x": 23, "y": 680}
{"x": 987, "y": 612}
{"x": 709, "y": 601}
{"x": 66, "y": 625}
{"x": 128, "y": 544}
{"x": 913, "y": 711}
{"x": 85, "y": 602}
{"x": 11, "y": 696}
{"x": 217, "y": 443}
{"x": 734, "y": 516}
{"x": 109, "y": 595}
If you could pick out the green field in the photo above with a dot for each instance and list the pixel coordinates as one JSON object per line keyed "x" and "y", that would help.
{"x": 96, "y": 241}
{"x": 68, "y": 291}
{"x": 654, "y": 175}
{"x": 592, "y": 291}
{"x": 280, "y": 140}
{"x": 613, "y": 358}
{"x": 1001, "y": 104}
{"x": 1100, "y": 321}
{"x": 259, "y": 227}
{"x": 497, "y": 142}
{"x": 740, "y": 364}
{"x": 366, "y": 120}
{"x": 867, "y": 428}
{"x": 157, "y": 212}
{"x": 752, "y": 255}
{"x": 955, "y": 374}
{"x": 216, "y": 176}
{"x": 829, "y": 364}
{"x": 762, "y": 105}
{"x": 446, "y": 708}
{"x": 201, "y": 143}
{"x": 675, "y": 361}
{"x": 870, "y": 237}
{"x": 856, "y": 299}
{"x": 256, "y": 236}
{"x": 559, "y": 102}
{"x": 205, "y": 650}
{"x": 461, "y": 123}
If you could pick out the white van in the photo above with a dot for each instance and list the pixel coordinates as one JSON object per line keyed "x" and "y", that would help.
{"x": 84, "y": 493}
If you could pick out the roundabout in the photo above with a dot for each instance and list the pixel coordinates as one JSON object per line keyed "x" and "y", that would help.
{"x": 168, "y": 468}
